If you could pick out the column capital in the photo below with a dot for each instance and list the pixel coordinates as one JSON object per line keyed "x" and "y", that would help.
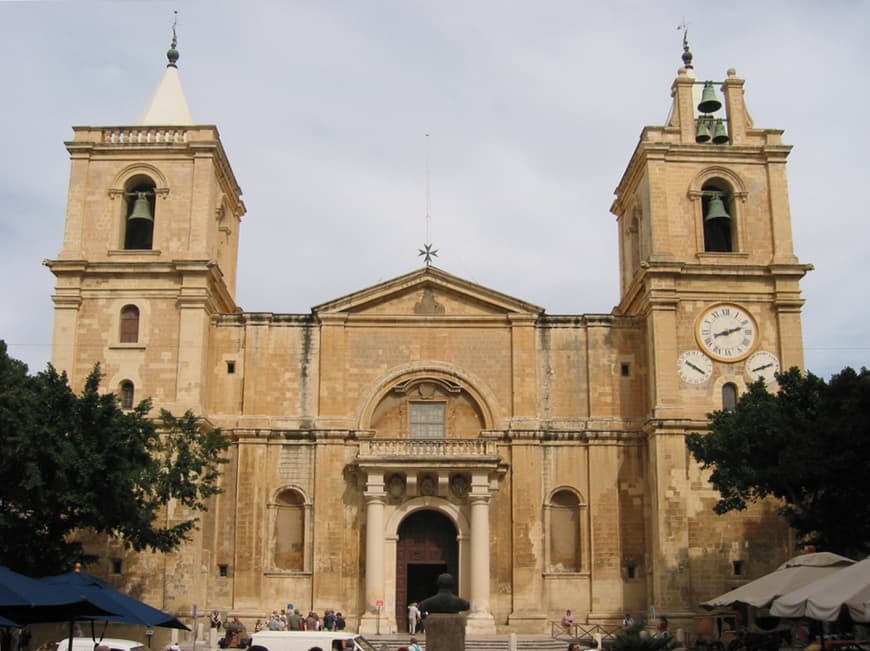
{"x": 479, "y": 498}
{"x": 375, "y": 497}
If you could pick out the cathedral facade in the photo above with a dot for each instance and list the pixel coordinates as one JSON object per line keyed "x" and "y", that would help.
{"x": 429, "y": 424}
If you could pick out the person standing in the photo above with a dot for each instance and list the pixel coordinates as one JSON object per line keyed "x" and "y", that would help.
{"x": 567, "y": 621}
{"x": 295, "y": 621}
{"x": 663, "y": 627}
{"x": 413, "y": 617}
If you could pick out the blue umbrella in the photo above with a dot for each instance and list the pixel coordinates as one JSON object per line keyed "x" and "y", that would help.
{"x": 24, "y": 600}
{"x": 126, "y": 609}
{"x": 6, "y": 622}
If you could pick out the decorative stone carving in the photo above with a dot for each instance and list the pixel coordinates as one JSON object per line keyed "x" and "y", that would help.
{"x": 460, "y": 485}
{"x": 428, "y": 304}
{"x": 396, "y": 486}
{"x": 428, "y": 485}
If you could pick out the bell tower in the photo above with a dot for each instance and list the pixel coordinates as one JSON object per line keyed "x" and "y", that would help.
{"x": 149, "y": 252}
{"x": 708, "y": 270}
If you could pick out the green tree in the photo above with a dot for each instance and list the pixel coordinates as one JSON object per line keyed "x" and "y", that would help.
{"x": 79, "y": 462}
{"x": 807, "y": 445}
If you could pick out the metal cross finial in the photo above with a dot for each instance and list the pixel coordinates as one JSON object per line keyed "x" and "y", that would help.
{"x": 428, "y": 253}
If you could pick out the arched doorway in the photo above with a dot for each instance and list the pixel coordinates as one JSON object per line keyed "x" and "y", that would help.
{"x": 427, "y": 547}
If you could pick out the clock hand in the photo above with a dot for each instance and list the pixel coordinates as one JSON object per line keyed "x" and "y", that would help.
{"x": 761, "y": 368}
{"x": 690, "y": 365}
{"x": 727, "y": 331}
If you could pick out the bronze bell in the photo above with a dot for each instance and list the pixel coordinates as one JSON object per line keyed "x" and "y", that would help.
{"x": 720, "y": 135}
{"x": 716, "y": 209}
{"x": 702, "y": 133}
{"x": 709, "y": 102}
{"x": 141, "y": 208}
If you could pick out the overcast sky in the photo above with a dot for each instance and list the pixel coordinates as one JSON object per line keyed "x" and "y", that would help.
{"x": 534, "y": 109}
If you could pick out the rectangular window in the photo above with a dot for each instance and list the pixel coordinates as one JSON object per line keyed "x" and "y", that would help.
{"x": 231, "y": 367}
{"x": 427, "y": 420}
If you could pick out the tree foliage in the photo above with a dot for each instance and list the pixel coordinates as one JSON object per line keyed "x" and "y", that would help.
{"x": 79, "y": 462}
{"x": 807, "y": 445}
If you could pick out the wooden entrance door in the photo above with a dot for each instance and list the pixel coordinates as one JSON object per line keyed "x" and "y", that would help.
{"x": 427, "y": 547}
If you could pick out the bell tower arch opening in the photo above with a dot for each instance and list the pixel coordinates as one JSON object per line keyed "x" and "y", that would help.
{"x": 427, "y": 546}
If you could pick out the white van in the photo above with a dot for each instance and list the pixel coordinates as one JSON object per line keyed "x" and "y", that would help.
{"x": 85, "y": 643}
{"x": 304, "y": 640}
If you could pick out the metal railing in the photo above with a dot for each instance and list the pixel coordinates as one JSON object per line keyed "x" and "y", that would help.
{"x": 589, "y": 634}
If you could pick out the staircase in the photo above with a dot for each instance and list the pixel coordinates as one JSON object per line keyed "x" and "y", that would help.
{"x": 476, "y": 643}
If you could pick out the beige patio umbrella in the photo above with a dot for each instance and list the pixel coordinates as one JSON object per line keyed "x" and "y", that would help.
{"x": 794, "y": 573}
{"x": 823, "y": 599}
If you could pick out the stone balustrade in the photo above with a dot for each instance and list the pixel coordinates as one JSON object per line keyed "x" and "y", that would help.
{"x": 427, "y": 448}
{"x": 144, "y": 135}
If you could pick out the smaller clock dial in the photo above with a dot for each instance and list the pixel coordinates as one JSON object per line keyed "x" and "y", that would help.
{"x": 694, "y": 367}
{"x": 762, "y": 365}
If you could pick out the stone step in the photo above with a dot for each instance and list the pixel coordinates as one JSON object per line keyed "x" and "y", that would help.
{"x": 477, "y": 643}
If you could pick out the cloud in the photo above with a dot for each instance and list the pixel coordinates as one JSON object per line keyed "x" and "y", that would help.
{"x": 534, "y": 111}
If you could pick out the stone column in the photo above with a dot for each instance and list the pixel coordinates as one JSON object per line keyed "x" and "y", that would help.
{"x": 375, "y": 496}
{"x": 480, "y": 620}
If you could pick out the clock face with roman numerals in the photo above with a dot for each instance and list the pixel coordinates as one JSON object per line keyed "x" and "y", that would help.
{"x": 694, "y": 367}
{"x": 726, "y": 332}
{"x": 762, "y": 364}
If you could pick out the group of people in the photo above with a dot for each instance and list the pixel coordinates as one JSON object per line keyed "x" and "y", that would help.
{"x": 662, "y": 629}
{"x": 415, "y": 618}
{"x": 294, "y": 621}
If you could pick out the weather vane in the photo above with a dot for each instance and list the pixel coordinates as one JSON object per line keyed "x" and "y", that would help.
{"x": 427, "y": 251}
{"x": 172, "y": 52}
{"x": 687, "y": 54}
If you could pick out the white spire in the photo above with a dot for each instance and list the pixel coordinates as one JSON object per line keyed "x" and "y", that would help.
{"x": 168, "y": 105}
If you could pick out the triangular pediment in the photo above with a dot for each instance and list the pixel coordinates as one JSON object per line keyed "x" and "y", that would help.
{"x": 428, "y": 292}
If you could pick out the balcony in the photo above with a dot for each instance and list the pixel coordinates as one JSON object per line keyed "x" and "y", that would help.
{"x": 469, "y": 453}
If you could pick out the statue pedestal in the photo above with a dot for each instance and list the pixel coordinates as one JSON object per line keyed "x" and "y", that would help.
{"x": 445, "y": 632}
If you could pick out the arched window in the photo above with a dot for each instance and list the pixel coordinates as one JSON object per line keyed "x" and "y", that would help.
{"x": 564, "y": 512}
{"x": 139, "y": 213}
{"x": 129, "y": 324}
{"x": 729, "y": 396}
{"x": 717, "y": 203}
{"x": 289, "y": 531}
{"x": 127, "y": 392}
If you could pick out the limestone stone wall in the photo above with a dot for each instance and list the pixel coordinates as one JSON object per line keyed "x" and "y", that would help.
{"x": 549, "y": 419}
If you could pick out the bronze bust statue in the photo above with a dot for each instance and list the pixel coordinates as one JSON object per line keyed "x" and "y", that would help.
{"x": 445, "y": 601}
